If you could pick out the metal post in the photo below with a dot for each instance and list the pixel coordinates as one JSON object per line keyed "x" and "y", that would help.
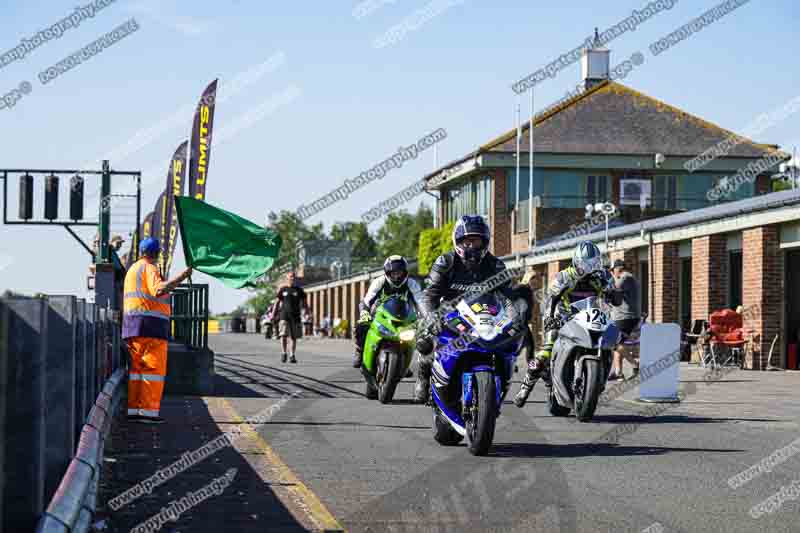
{"x": 138, "y": 216}
{"x": 205, "y": 318}
{"x": 105, "y": 212}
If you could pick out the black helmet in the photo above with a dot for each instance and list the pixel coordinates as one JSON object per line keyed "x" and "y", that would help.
{"x": 587, "y": 258}
{"x": 395, "y": 268}
{"x": 471, "y": 225}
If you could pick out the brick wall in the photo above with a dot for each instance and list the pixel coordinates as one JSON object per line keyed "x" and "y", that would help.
{"x": 519, "y": 242}
{"x": 763, "y": 292}
{"x": 709, "y": 275}
{"x": 629, "y": 257}
{"x": 499, "y": 214}
{"x": 665, "y": 289}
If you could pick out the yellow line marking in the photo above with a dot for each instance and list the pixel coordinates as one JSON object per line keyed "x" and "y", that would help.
{"x": 316, "y": 510}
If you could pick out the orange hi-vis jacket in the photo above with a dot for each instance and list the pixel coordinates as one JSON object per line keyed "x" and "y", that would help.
{"x": 144, "y": 313}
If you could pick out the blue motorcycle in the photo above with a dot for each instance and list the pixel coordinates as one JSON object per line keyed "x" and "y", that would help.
{"x": 472, "y": 368}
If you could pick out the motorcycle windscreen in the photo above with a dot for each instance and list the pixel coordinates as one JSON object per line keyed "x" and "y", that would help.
{"x": 399, "y": 308}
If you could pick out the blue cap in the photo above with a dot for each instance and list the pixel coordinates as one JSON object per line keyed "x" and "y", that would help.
{"x": 149, "y": 246}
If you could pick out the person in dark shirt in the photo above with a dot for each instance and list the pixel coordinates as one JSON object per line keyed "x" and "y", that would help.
{"x": 291, "y": 301}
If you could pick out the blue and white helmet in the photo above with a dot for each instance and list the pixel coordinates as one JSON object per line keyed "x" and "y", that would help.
{"x": 587, "y": 258}
{"x": 471, "y": 225}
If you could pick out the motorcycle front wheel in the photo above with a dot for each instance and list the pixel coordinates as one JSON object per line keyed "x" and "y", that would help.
{"x": 387, "y": 374}
{"x": 483, "y": 414}
{"x": 588, "y": 392}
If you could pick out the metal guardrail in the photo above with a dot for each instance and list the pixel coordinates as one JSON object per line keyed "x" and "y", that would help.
{"x": 72, "y": 508}
{"x": 189, "y": 322}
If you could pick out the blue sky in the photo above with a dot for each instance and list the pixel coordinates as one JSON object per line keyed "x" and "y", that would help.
{"x": 328, "y": 104}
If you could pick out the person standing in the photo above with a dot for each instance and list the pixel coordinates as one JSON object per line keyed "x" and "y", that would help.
{"x": 627, "y": 315}
{"x": 145, "y": 329}
{"x": 291, "y": 302}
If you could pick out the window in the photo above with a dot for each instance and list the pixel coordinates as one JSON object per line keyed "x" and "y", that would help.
{"x": 524, "y": 184}
{"x": 473, "y": 197}
{"x": 597, "y": 189}
{"x": 692, "y": 190}
{"x": 564, "y": 189}
{"x": 734, "y": 279}
{"x": 666, "y": 192}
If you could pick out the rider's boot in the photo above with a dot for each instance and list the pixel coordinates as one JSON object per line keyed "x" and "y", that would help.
{"x": 536, "y": 368}
{"x": 357, "y": 356}
{"x": 423, "y": 385}
{"x": 358, "y": 344}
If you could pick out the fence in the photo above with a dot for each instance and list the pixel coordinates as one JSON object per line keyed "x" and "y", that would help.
{"x": 57, "y": 353}
{"x": 190, "y": 315}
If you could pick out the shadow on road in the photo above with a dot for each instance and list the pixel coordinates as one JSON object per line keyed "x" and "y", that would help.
{"x": 564, "y": 451}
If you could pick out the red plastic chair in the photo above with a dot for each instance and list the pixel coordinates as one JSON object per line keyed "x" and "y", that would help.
{"x": 727, "y": 338}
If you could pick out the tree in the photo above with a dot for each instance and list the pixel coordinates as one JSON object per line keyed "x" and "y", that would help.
{"x": 432, "y": 244}
{"x": 261, "y": 300}
{"x": 365, "y": 249}
{"x": 292, "y": 230}
{"x": 400, "y": 232}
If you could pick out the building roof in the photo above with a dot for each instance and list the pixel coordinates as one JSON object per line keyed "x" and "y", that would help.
{"x": 612, "y": 119}
{"x": 757, "y": 204}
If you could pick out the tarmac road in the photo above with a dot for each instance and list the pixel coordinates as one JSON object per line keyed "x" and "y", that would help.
{"x": 376, "y": 467}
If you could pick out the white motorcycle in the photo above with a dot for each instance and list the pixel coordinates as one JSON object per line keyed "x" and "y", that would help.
{"x": 581, "y": 360}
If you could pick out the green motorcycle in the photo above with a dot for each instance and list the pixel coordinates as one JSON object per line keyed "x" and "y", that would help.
{"x": 389, "y": 347}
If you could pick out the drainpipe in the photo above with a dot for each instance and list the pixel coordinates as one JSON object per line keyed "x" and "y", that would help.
{"x": 652, "y": 281}
{"x": 435, "y": 207}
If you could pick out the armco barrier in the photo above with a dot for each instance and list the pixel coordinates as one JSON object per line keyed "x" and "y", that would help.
{"x": 73, "y": 505}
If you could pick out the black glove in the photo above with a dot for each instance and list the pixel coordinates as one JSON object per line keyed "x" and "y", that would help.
{"x": 425, "y": 345}
{"x": 552, "y": 322}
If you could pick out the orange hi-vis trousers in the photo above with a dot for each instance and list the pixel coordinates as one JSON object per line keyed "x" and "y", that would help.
{"x": 147, "y": 374}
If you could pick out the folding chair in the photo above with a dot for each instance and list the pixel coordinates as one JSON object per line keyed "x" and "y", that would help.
{"x": 698, "y": 332}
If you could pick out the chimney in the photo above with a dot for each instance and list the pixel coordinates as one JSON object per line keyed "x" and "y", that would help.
{"x": 595, "y": 63}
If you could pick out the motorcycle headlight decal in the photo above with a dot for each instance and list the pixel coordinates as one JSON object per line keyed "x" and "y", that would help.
{"x": 385, "y": 331}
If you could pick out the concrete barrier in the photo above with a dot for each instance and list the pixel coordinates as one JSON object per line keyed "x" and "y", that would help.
{"x": 25, "y": 353}
{"x": 55, "y": 354}
{"x": 60, "y": 393}
{"x": 3, "y": 402}
{"x": 189, "y": 371}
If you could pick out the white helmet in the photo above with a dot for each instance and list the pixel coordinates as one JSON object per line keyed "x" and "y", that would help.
{"x": 587, "y": 258}
{"x": 395, "y": 269}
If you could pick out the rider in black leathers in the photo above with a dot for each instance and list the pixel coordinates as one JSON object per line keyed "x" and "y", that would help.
{"x": 464, "y": 269}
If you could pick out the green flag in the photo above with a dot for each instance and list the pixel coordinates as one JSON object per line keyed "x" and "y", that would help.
{"x": 223, "y": 245}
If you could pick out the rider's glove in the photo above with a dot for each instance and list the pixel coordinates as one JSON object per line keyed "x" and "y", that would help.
{"x": 364, "y": 317}
{"x": 552, "y": 322}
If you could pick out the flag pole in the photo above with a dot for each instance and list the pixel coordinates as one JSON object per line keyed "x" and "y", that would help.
{"x": 530, "y": 184}
{"x": 516, "y": 197}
